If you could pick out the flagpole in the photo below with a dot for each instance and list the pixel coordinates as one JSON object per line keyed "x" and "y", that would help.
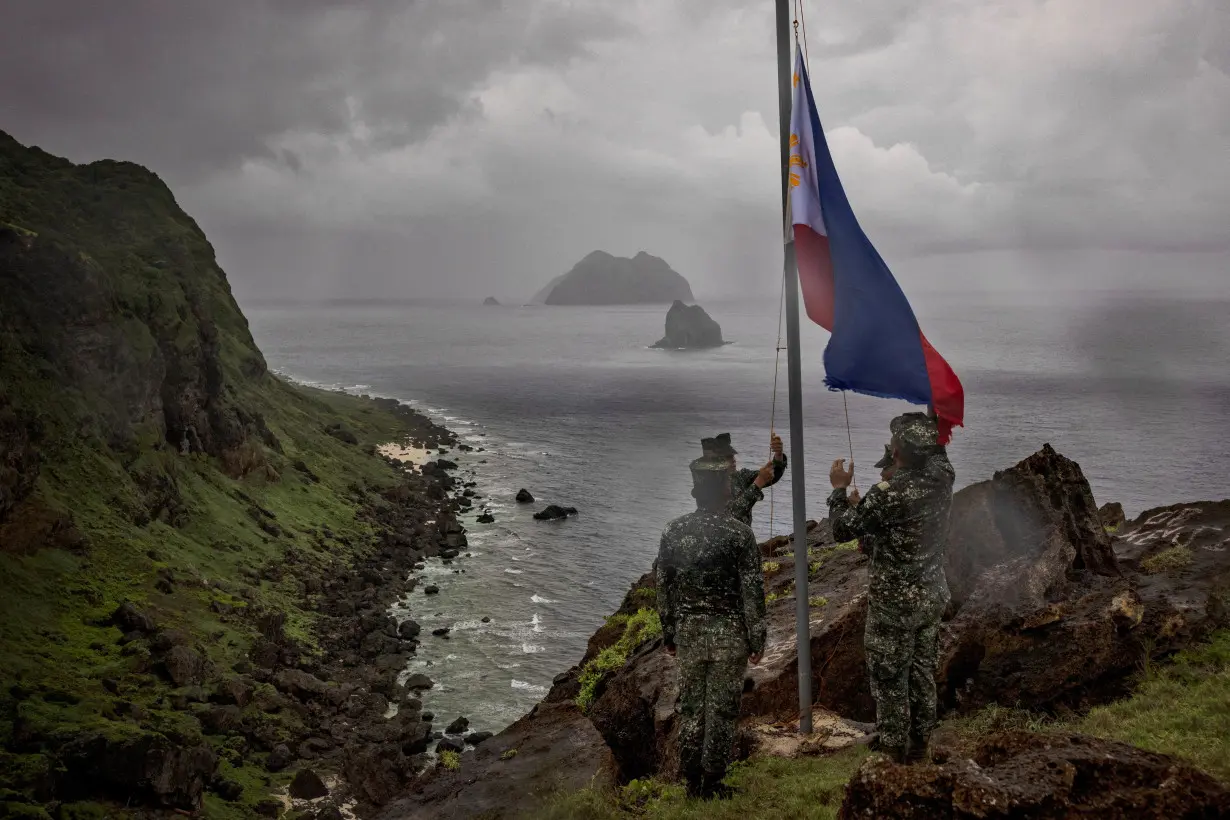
{"x": 797, "y": 482}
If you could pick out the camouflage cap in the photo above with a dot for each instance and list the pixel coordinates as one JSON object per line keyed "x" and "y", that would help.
{"x": 707, "y": 465}
{"x": 914, "y": 431}
{"x": 887, "y": 460}
{"x": 722, "y": 446}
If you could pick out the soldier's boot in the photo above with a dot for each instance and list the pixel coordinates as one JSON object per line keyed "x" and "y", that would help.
{"x": 920, "y": 749}
{"x": 893, "y": 753}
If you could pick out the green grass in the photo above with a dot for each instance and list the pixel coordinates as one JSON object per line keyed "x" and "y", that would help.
{"x": 808, "y": 788}
{"x": 1182, "y": 709}
{"x": 1168, "y": 560}
{"x": 450, "y": 760}
{"x": 639, "y": 628}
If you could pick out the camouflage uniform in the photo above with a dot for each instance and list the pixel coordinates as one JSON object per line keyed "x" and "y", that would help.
{"x": 902, "y": 523}
{"x": 711, "y": 601}
{"x": 743, "y": 490}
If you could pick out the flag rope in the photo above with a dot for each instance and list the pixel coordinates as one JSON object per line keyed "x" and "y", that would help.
{"x": 777, "y": 358}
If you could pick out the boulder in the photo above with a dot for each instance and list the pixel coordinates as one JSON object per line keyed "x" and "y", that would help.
{"x": 131, "y": 619}
{"x": 475, "y": 738}
{"x": 302, "y": 685}
{"x": 143, "y": 765}
{"x": 1111, "y": 515}
{"x": 408, "y": 630}
{"x": 524, "y": 497}
{"x": 418, "y": 681}
{"x": 279, "y": 758}
{"x": 458, "y": 726}
{"x": 688, "y": 327}
{"x": 307, "y": 785}
{"x": 184, "y": 666}
{"x": 555, "y": 513}
{"x": 1023, "y": 776}
{"x": 486, "y": 518}
{"x": 450, "y": 744}
{"x": 431, "y": 589}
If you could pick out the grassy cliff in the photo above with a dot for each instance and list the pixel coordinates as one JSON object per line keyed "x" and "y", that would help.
{"x": 163, "y": 498}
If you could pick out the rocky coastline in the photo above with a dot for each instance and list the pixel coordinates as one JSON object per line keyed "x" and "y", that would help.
{"x": 1055, "y": 609}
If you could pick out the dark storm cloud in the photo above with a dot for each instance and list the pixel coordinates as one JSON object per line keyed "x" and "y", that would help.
{"x": 189, "y": 87}
{"x": 408, "y": 147}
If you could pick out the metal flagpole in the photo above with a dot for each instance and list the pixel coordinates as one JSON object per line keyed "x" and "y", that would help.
{"x": 791, "y": 273}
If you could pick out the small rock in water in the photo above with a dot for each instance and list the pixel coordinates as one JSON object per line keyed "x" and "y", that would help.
{"x": 524, "y": 497}
{"x": 555, "y": 512}
{"x": 458, "y": 726}
{"x": 431, "y": 589}
{"x": 486, "y": 518}
{"x": 486, "y": 619}
{"x": 427, "y": 717}
{"x": 418, "y": 681}
{"x": 443, "y": 630}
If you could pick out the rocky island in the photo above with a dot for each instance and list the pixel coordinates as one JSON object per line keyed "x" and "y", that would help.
{"x": 491, "y": 301}
{"x": 603, "y": 279}
{"x": 688, "y": 327}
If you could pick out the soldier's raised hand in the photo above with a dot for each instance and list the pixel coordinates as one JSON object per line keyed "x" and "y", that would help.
{"x": 854, "y": 497}
{"x": 839, "y": 476}
{"x": 775, "y": 446}
{"x": 765, "y": 476}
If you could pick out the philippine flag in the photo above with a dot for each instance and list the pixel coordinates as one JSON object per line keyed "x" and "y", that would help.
{"x": 876, "y": 347}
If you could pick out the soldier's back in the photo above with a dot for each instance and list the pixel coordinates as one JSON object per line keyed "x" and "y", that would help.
{"x": 701, "y": 553}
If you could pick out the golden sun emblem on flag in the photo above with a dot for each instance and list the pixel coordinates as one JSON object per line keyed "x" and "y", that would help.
{"x": 796, "y": 161}
{"x": 795, "y": 80}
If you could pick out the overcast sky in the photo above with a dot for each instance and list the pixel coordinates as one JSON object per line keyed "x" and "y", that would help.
{"x": 373, "y": 148}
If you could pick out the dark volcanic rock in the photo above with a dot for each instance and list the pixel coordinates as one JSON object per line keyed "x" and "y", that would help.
{"x": 1111, "y": 515}
{"x": 418, "y": 681}
{"x": 431, "y": 589}
{"x": 130, "y": 619}
{"x": 450, "y": 744}
{"x": 1023, "y": 776}
{"x": 307, "y": 785}
{"x": 486, "y": 518}
{"x": 145, "y": 765}
{"x": 602, "y": 279}
{"x": 524, "y": 497}
{"x": 408, "y": 630}
{"x": 302, "y": 685}
{"x": 555, "y": 513}
{"x": 458, "y": 726}
{"x": 184, "y": 666}
{"x": 554, "y": 748}
{"x": 689, "y": 327}
{"x": 475, "y": 738}
{"x": 279, "y": 758}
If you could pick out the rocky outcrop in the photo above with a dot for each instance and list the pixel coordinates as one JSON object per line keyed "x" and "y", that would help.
{"x": 689, "y": 327}
{"x": 554, "y": 512}
{"x": 603, "y": 279}
{"x": 524, "y": 496}
{"x": 1112, "y": 516}
{"x": 149, "y": 766}
{"x": 553, "y": 748}
{"x": 1024, "y": 776}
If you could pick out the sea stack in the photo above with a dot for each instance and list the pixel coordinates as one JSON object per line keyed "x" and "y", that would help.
{"x": 603, "y": 279}
{"x": 688, "y": 327}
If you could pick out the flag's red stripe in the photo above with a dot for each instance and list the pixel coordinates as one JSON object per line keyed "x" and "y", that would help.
{"x": 947, "y": 395}
{"x": 815, "y": 275}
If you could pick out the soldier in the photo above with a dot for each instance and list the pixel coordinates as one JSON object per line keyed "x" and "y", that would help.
{"x": 747, "y": 486}
{"x": 902, "y": 523}
{"x": 711, "y": 601}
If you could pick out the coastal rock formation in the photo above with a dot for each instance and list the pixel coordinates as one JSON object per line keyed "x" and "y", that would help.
{"x": 555, "y": 512}
{"x": 603, "y": 279}
{"x": 524, "y": 497}
{"x": 1049, "y": 612}
{"x": 689, "y": 327}
{"x": 1022, "y": 776}
{"x": 491, "y": 301}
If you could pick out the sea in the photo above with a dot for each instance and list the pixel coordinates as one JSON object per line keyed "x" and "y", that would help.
{"x": 572, "y": 404}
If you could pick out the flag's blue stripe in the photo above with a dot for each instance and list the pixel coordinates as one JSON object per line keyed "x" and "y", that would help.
{"x": 876, "y": 345}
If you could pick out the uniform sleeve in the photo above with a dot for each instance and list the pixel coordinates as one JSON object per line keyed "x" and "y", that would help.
{"x": 741, "y": 504}
{"x": 668, "y": 610}
{"x": 779, "y": 469}
{"x": 850, "y": 522}
{"x": 751, "y": 584}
